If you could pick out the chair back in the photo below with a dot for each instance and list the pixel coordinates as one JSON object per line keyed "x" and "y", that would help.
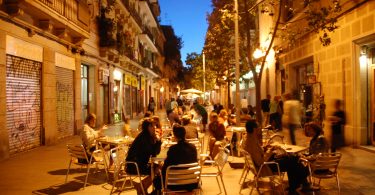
{"x": 77, "y": 151}
{"x": 249, "y": 164}
{"x": 275, "y": 138}
{"x": 182, "y": 174}
{"x": 222, "y": 158}
{"x": 118, "y": 156}
{"x": 326, "y": 161}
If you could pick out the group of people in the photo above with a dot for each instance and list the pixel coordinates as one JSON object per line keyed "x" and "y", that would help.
{"x": 296, "y": 170}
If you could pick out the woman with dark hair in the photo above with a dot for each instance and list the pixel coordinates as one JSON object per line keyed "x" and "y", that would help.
{"x": 318, "y": 143}
{"x": 146, "y": 144}
{"x": 297, "y": 173}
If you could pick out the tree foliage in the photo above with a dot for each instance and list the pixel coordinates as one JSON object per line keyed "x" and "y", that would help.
{"x": 291, "y": 20}
{"x": 194, "y": 69}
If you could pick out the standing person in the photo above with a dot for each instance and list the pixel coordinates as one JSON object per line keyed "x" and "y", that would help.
{"x": 151, "y": 105}
{"x": 338, "y": 121}
{"x": 201, "y": 111}
{"x": 275, "y": 113}
{"x": 168, "y": 106}
{"x": 265, "y": 105}
{"x": 291, "y": 116}
{"x": 88, "y": 135}
{"x": 146, "y": 144}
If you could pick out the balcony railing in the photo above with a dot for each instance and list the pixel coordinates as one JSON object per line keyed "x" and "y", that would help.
{"x": 132, "y": 11}
{"x": 148, "y": 32}
{"x": 66, "y": 8}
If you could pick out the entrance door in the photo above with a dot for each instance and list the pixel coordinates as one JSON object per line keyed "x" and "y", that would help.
{"x": 84, "y": 91}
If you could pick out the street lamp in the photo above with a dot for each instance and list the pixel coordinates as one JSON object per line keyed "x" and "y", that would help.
{"x": 204, "y": 73}
{"x": 237, "y": 59}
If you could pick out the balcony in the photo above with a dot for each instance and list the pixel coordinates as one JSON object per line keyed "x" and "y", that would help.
{"x": 66, "y": 19}
{"x": 148, "y": 40}
{"x": 132, "y": 12}
{"x": 146, "y": 9}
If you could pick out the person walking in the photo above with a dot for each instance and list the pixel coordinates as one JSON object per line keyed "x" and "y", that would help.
{"x": 292, "y": 116}
{"x": 151, "y": 105}
{"x": 265, "y": 105}
{"x": 338, "y": 121}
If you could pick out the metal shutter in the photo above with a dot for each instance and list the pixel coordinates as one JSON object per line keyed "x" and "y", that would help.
{"x": 64, "y": 102}
{"x": 23, "y": 86}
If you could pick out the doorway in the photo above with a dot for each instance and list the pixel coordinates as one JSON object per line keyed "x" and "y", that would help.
{"x": 371, "y": 89}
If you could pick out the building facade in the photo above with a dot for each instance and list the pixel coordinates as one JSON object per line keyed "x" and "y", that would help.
{"x": 61, "y": 60}
{"x": 319, "y": 74}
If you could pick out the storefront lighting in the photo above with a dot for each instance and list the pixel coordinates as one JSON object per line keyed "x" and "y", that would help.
{"x": 258, "y": 53}
{"x": 117, "y": 75}
{"x": 115, "y": 88}
{"x": 363, "y": 56}
{"x": 162, "y": 89}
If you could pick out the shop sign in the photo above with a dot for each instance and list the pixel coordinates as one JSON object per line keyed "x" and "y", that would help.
{"x": 143, "y": 83}
{"x": 134, "y": 81}
{"x": 311, "y": 79}
{"x": 128, "y": 79}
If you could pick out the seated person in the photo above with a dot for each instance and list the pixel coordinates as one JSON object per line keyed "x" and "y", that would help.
{"x": 173, "y": 117}
{"x": 88, "y": 135}
{"x": 297, "y": 173}
{"x": 146, "y": 144}
{"x": 318, "y": 143}
{"x": 217, "y": 132}
{"x": 191, "y": 129}
{"x": 157, "y": 124}
{"x": 180, "y": 153}
{"x": 223, "y": 118}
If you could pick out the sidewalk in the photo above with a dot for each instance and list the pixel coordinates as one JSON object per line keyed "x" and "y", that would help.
{"x": 42, "y": 171}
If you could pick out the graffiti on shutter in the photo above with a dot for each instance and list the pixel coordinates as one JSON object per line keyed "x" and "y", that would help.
{"x": 23, "y": 84}
{"x": 64, "y": 102}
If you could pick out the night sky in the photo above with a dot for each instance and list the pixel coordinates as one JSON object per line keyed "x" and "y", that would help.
{"x": 188, "y": 18}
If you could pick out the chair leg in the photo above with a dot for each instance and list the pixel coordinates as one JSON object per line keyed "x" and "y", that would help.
{"x": 87, "y": 175}
{"x": 338, "y": 182}
{"x": 222, "y": 181}
{"x": 67, "y": 173}
{"x": 218, "y": 183}
{"x": 242, "y": 174}
{"x": 140, "y": 182}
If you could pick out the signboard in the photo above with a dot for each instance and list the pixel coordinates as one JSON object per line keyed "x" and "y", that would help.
{"x": 134, "y": 81}
{"x": 143, "y": 83}
{"x": 311, "y": 79}
{"x": 128, "y": 79}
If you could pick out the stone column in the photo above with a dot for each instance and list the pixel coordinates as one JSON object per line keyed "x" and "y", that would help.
{"x": 4, "y": 137}
{"x": 49, "y": 96}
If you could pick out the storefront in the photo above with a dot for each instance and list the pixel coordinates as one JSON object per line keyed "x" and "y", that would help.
{"x": 23, "y": 94}
{"x": 65, "y": 67}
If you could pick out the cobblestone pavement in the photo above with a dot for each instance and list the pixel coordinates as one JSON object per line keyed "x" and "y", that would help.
{"x": 42, "y": 171}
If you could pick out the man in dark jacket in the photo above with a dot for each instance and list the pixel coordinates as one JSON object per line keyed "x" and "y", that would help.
{"x": 181, "y": 153}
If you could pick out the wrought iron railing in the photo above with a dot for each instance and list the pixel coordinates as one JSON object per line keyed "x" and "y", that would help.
{"x": 66, "y": 8}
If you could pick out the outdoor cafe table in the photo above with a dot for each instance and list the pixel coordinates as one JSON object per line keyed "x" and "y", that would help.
{"x": 115, "y": 141}
{"x": 291, "y": 149}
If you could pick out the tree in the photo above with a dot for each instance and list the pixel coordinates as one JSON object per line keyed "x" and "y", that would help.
{"x": 173, "y": 68}
{"x": 195, "y": 66}
{"x": 310, "y": 16}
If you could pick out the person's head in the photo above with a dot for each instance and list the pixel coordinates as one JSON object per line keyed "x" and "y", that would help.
{"x": 179, "y": 132}
{"x": 251, "y": 125}
{"x": 126, "y": 120}
{"x": 185, "y": 120}
{"x": 213, "y": 116}
{"x": 337, "y": 103}
{"x": 156, "y": 121}
{"x": 91, "y": 120}
{"x": 148, "y": 127}
{"x": 313, "y": 129}
{"x": 147, "y": 114}
{"x": 268, "y": 96}
{"x": 223, "y": 114}
{"x": 287, "y": 96}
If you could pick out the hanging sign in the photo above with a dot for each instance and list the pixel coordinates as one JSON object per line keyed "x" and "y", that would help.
{"x": 128, "y": 79}
{"x": 143, "y": 83}
{"x": 134, "y": 81}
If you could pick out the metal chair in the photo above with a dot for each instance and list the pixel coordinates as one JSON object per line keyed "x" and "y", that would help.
{"x": 325, "y": 167}
{"x": 182, "y": 174}
{"x": 276, "y": 179}
{"x": 219, "y": 162}
{"x": 77, "y": 152}
{"x": 118, "y": 156}
{"x": 138, "y": 175}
